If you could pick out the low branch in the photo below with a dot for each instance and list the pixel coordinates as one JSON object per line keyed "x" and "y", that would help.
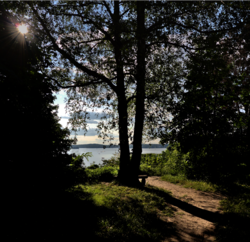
{"x": 77, "y": 85}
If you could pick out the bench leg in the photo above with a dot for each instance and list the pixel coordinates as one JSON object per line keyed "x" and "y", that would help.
{"x": 143, "y": 181}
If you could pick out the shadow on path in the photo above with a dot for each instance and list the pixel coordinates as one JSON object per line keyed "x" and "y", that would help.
{"x": 198, "y": 212}
{"x": 228, "y": 226}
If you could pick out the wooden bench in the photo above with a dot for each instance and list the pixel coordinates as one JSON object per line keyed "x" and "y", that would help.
{"x": 143, "y": 177}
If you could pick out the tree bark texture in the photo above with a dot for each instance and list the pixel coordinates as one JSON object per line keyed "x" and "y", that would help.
{"x": 140, "y": 93}
{"x": 124, "y": 176}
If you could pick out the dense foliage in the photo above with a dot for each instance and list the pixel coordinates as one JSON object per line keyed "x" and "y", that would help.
{"x": 169, "y": 161}
{"x": 204, "y": 131}
{"x": 211, "y": 120}
{"x": 34, "y": 143}
{"x": 124, "y": 57}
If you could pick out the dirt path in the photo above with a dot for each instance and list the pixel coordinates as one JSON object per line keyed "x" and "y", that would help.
{"x": 195, "y": 213}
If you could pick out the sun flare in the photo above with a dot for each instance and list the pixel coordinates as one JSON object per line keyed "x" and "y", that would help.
{"x": 23, "y": 29}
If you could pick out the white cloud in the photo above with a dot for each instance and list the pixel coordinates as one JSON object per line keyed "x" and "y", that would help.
{"x": 81, "y": 139}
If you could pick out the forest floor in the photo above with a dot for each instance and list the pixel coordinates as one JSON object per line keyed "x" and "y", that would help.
{"x": 195, "y": 211}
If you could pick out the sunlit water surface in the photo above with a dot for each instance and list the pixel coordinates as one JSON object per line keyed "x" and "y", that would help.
{"x": 99, "y": 153}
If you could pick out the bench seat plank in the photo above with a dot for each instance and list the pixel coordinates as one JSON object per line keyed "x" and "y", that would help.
{"x": 143, "y": 177}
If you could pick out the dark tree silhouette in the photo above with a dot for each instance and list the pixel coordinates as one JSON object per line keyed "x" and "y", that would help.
{"x": 124, "y": 56}
{"x": 211, "y": 120}
{"x": 34, "y": 145}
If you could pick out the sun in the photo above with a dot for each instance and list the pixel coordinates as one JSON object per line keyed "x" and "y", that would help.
{"x": 23, "y": 29}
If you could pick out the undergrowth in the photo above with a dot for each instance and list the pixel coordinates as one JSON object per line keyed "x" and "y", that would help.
{"x": 180, "y": 179}
{"x": 125, "y": 213}
{"x": 171, "y": 167}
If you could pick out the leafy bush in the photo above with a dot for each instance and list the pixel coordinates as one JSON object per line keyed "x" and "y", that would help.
{"x": 76, "y": 171}
{"x": 236, "y": 210}
{"x": 114, "y": 161}
{"x": 169, "y": 161}
{"x": 93, "y": 166}
{"x": 105, "y": 174}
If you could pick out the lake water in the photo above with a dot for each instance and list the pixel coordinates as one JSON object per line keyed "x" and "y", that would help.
{"x": 99, "y": 153}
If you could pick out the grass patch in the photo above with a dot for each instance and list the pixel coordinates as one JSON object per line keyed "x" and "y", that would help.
{"x": 183, "y": 181}
{"x": 132, "y": 213}
{"x": 236, "y": 220}
{"x": 180, "y": 213}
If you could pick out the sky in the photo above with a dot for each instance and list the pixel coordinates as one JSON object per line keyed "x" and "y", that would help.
{"x": 91, "y": 136}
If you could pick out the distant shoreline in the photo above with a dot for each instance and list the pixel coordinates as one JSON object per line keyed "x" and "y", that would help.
{"x": 144, "y": 146}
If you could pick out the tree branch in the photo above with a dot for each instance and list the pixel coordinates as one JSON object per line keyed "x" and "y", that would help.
{"x": 131, "y": 98}
{"x": 77, "y": 85}
{"x": 108, "y": 9}
{"x": 70, "y": 58}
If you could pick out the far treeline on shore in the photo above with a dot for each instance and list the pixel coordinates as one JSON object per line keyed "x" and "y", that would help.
{"x": 144, "y": 146}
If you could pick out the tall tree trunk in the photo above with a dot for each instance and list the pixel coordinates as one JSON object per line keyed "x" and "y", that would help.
{"x": 122, "y": 104}
{"x": 124, "y": 176}
{"x": 140, "y": 92}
